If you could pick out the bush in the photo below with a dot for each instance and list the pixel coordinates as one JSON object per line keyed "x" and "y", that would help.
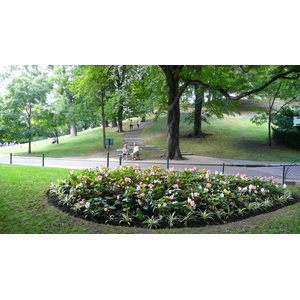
{"x": 288, "y": 139}
{"x": 284, "y": 132}
{"x": 156, "y": 198}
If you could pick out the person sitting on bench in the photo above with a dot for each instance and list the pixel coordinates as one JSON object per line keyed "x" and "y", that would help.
{"x": 135, "y": 152}
{"x": 125, "y": 152}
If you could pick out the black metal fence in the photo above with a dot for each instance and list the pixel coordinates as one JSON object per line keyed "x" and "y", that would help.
{"x": 285, "y": 172}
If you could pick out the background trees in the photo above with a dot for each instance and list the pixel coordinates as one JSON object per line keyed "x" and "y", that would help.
{"x": 39, "y": 101}
{"x": 25, "y": 94}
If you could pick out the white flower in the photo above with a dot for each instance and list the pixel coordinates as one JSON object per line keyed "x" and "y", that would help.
{"x": 87, "y": 205}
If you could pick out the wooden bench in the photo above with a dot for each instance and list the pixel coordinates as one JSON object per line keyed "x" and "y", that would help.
{"x": 138, "y": 155}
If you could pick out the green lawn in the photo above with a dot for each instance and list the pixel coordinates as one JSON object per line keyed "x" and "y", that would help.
{"x": 24, "y": 208}
{"x": 86, "y": 142}
{"x": 231, "y": 137}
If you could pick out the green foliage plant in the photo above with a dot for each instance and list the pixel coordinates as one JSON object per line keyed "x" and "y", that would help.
{"x": 158, "y": 198}
{"x": 152, "y": 222}
{"x": 284, "y": 131}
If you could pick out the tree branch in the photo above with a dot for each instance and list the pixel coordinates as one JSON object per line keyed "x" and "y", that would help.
{"x": 244, "y": 69}
{"x": 245, "y": 94}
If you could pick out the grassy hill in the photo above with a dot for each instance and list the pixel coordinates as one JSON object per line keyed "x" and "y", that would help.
{"x": 85, "y": 143}
{"x": 231, "y": 137}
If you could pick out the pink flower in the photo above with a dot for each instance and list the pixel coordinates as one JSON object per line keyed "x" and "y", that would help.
{"x": 140, "y": 202}
{"x": 127, "y": 179}
{"x": 150, "y": 185}
{"x": 175, "y": 186}
{"x": 142, "y": 194}
{"x": 208, "y": 185}
{"x": 99, "y": 177}
{"x": 105, "y": 209}
{"x": 192, "y": 203}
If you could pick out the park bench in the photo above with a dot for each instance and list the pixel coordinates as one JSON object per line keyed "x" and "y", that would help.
{"x": 138, "y": 155}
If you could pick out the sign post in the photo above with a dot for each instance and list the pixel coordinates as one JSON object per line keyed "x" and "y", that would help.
{"x": 108, "y": 142}
{"x": 296, "y": 121}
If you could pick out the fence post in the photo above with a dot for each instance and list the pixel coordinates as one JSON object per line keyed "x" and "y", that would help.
{"x": 10, "y": 158}
{"x": 168, "y": 164}
{"x": 223, "y": 168}
{"x": 43, "y": 160}
{"x": 283, "y": 174}
{"x": 120, "y": 161}
{"x": 107, "y": 164}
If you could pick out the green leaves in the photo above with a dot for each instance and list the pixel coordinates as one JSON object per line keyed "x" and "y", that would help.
{"x": 155, "y": 197}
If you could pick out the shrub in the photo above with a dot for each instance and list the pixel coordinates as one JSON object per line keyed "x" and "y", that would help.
{"x": 284, "y": 131}
{"x": 156, "y": 198}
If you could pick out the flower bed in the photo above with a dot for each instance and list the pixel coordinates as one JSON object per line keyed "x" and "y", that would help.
{"x": 158, "y": 198}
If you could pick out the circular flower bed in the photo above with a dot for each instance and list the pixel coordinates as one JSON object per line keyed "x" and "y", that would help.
{"x": 158, "y": 198}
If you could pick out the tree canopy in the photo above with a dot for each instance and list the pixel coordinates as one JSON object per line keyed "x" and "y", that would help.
{"x": 36, "y": 100}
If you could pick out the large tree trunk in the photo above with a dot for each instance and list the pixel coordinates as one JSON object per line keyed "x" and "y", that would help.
{"x": 173, "y": 150}
{"x": 120, "y": 119}
{"x": 114, "y": 122}
{"x": 73, "y": 130}
{"x": 199, "y": 99}
{"x": 174, "y": 93}
{"x": 56, "y": 136}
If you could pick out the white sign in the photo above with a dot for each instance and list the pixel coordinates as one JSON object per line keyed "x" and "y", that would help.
{"x": 296, "y": 121}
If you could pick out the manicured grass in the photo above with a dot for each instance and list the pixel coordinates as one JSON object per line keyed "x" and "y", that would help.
{"x": 24, "y": 208}
{"x": 86, "y": 142}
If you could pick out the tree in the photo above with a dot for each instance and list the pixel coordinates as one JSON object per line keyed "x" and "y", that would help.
{"x": 267, "y": 115}
{"x": 51, "y": 119}
{"x": 24, "y": 94}
{"x": 93, "y": 81}
{"x": 62, "y": 75}
{"x": 175, "y": 91}
{"x": 120, "y": 96}
{"x": 287, "y": 91}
